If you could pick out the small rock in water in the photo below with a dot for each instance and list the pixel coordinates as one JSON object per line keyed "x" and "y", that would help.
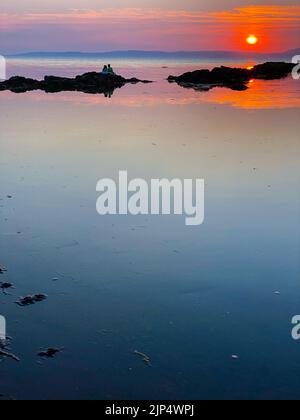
{"x": 277, "y": 293}
{"x": 25, "y": 301}
{"x": 49, "y": 353}
{"x": 31, "y": 300}
{"x": 6, "y": 285}
{"x": 3, "y": 270}
{"x": 39, "y": 297}
{"x": 235, "y": 357}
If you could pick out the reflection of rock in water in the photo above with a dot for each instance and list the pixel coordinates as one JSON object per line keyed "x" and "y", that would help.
{"x": 92, "y": 83}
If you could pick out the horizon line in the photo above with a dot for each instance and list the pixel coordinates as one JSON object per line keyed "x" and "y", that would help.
{"x": 151, "y": 51}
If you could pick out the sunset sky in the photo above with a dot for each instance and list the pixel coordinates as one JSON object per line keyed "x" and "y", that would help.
{"x": 170, "y": 25}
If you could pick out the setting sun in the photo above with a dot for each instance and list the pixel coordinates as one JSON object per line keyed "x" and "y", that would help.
{"x": 252, "y": 40}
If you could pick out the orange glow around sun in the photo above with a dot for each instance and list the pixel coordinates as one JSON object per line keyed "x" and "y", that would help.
{"x": 252, "y": 40}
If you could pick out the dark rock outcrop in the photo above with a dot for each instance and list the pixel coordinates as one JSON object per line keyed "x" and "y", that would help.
{"x": 232, "y": 78}
{"x": 272, "y": 71}
{"x": 89, "y": 83}
{"x": 19, "y": 84}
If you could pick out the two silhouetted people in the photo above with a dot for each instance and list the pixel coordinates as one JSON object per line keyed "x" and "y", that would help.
{"x": 107, "y": 69}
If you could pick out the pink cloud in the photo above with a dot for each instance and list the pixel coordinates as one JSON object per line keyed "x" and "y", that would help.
{"x": 154, "y": 28}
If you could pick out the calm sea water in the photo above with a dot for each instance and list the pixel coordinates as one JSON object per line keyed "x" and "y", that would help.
{"x": 190, "y": 298}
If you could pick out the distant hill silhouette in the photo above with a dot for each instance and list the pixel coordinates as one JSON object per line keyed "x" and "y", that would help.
{"x": 163, "y": 55}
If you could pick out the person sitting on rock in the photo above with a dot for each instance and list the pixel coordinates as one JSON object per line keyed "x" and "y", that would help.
{"x": 110, "y": 70}
{"x": 105, "y": 70}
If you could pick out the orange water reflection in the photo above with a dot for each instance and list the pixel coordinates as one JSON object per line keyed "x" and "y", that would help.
{"x": 260, "y": 95}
